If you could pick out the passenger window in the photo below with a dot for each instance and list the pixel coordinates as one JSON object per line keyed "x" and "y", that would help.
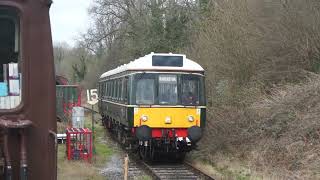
{"x": 114, "y": 89}
{"x": 120, "y": 90}
{"x": 106, "y": 92}
{"x": 10, "y": 67}
{"x": 125, "y": 93}
{"x": 109, "y": 89}
{"x": 102, "y": 90}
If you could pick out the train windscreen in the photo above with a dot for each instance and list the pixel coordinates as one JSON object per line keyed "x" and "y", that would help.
{"x": 168, "y": 89}
{"x": 190, "y": 90}
{"x": 145, "y": 89}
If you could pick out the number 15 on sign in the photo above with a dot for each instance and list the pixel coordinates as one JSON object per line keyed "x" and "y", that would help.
{"x": 92, "y": 96}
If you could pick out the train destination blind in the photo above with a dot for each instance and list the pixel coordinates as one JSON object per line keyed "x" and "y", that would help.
{"x": 173, "y": 61}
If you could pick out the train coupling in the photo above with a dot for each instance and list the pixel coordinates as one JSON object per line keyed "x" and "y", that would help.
{"x": 184, "y": 141}
{"x": 143, "y": 143}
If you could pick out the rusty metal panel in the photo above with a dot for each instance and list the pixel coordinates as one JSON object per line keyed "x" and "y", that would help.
{"x": 28, "y": 132}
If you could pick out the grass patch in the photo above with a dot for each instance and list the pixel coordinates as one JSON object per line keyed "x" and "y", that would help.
{"x": 102, "y": 151}
{"x": 75, "y": 170}
{"x": 238, "y": 175}
{"x": 102, "y": 154}
{"x": 224, "y": 169}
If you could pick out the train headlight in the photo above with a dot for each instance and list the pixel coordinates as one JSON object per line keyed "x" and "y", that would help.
{"x": 190, "y": 118}
{"x": 144, "y": 118}
{"x": 168, "y": 120}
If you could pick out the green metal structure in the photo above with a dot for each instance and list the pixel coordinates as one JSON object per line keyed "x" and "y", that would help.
{"x": 67, "y": 97}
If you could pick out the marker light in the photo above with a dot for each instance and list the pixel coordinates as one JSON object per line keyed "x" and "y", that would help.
{"x": 190, "y": 118}
{"x": 144, "y": 118}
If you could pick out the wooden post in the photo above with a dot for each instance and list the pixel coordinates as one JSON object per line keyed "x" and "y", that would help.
{"x": 126, "y": 167}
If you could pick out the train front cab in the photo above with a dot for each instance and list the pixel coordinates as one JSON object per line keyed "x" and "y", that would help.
{"x": 170, "y": 112}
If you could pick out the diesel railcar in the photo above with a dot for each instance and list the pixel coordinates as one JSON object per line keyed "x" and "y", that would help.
{"x": 155, "y": 104}
{"x": 27, "y": 91}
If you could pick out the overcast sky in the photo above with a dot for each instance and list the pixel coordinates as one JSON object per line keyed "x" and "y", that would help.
{"x": 68, "y": 19}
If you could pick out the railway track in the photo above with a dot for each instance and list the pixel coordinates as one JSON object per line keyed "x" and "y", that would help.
{"x": 165, "y": 170}
{"x": 175, "y": 171}
{"x": 161, "y": 170}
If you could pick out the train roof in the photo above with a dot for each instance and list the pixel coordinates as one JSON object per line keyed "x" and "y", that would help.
{"x": 146, "y": 63}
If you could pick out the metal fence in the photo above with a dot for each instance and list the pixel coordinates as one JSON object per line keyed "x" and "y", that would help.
{"x": 67, "y": 97}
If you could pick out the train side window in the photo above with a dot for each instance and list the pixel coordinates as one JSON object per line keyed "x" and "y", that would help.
{"x": 117, "y": 89}
{"x": 106, "y": 91}
{"x": 103, "y": 90}
{"x": 111, "y": 89}
{"x": 109, "y": 92}
{"x": 114, "y": 90}
{"x": 120, "y": 90}
{"x": 10, "y": 67}
{"x": 125, "y": 90}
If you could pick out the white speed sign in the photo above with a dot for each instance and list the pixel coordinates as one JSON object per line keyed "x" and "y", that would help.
{"x": 92, "y": 96}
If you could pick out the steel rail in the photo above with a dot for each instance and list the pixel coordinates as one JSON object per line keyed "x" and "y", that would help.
{"x": 198, "y": 171}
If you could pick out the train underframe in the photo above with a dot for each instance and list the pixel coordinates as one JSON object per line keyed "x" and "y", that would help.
{"x": 171, "y": 143}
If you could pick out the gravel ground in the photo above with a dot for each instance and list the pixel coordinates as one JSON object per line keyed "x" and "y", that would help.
{"x": 114, "y": 169}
